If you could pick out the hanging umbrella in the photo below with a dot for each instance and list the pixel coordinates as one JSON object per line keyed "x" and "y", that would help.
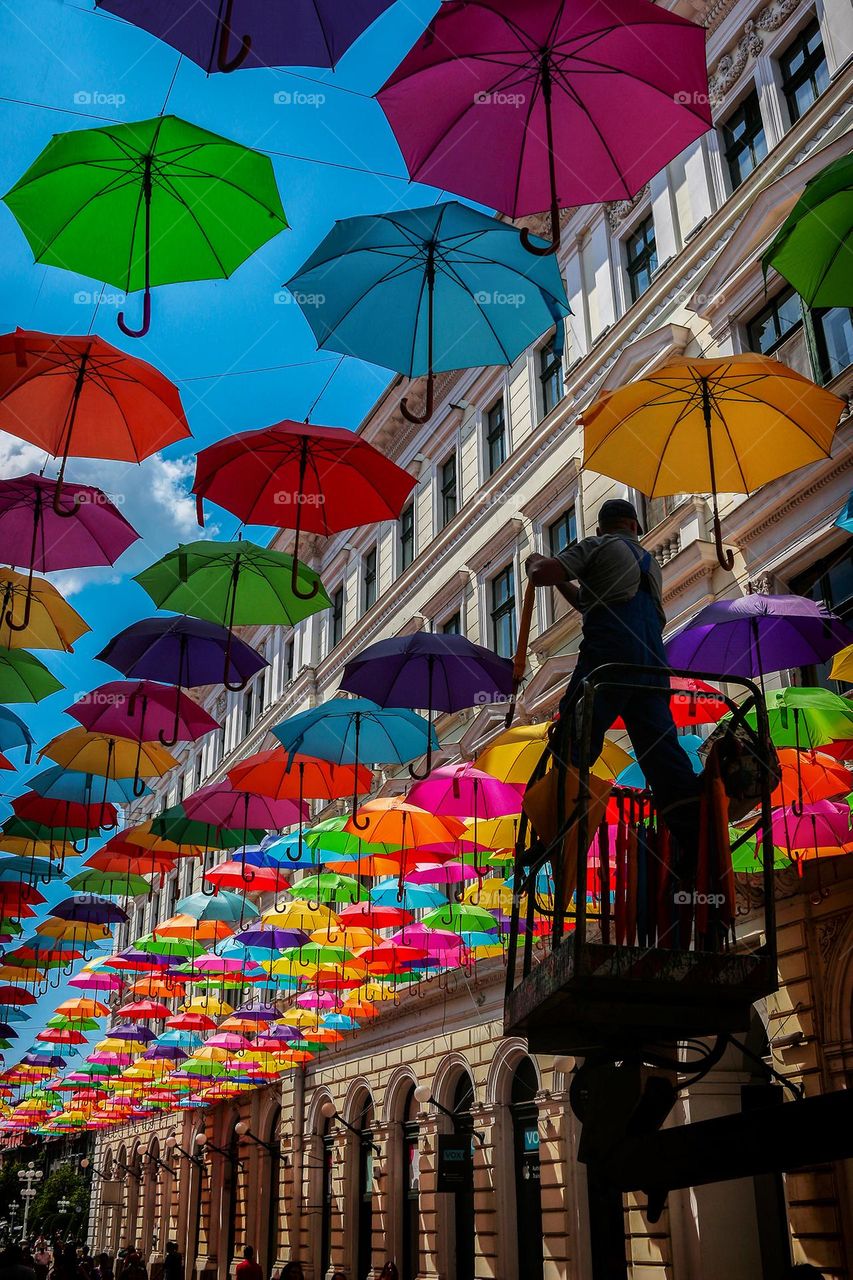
{"x": 464, "y": 791}
{"x": 515, "y": 752}
{"x": 551, "y": 105}
{"x": 63, "y": 815}
{"x": 108, "y": 757}
{"x": 90, "y": 909}
{"x": 823, "y": 826}
{"x": 841, "y": 669}
{"x": 692, "y": 426}
{"x": 844, "y": 520}
{"x": 757, "y": 634}
{"x": 34, "y": 615}
{"x": 813, "y": 248}
{"x": 123, "y": 884}
{"x": 57, "y": 783}
{"x": 234, "y": 584}
{"x": 281, "y": 776}
{"x": 154, "y": 202}
{"x": 254, "y": 33}
{"x": 186, "y": 652}
{"x": 425, "y": 290}
{"x": 433, "y": 671}
{"x": 23, "y": 678}
{"x": 806, "y": 718}
{"x": 307, "y": 478}
{"x": 809, "y": 776}
{"x": 222, "y": 804}
{"x": 355, "y": 730}
{"x": 14, "y": 732}
{"x": 142, "y": 709}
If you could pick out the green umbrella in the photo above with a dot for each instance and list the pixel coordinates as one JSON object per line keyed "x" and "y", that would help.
{"x": 234, "y": 584}
{"x": 460, "y": 916}
{"x": 749, "y": 858}
{"x": 813, "y": 248}
{"x": 806, "y": 717}
{"x": 173, "y": 824}
{"x": 154, "y": 202}
{"x": 73, "y": 1024}
{"x": 110, "y": 884}
{"x": 23, "y": 678}
{"x": 328, "y": 886}
{"x": 329, "y": 838}
{"x": 174, "y": 948}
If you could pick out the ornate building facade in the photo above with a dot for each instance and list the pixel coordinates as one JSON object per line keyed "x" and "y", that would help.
{"x": 337, "y": 1165}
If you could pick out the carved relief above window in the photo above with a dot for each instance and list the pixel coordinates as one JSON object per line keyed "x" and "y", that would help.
{"x": 731, "y": 65}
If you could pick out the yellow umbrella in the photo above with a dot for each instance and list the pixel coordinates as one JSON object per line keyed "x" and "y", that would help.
{"x": 209, "y": 1006}
{"x": 727, "y": 424}
{"x": 142, "y": 835}
{"x": 55, "y": 849}
{"x": 493, "y": 894}
{"x": 73, "y": 930}
{"x": 87, "y": 752}
{"x": 515, "y": 753}
{"x": 842, "y": 665}
{"x": 299, "y": 914}
{"x": 48, "y": 621}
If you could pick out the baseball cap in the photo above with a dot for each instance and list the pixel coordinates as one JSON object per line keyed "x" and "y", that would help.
{"x": 618, "y": 509}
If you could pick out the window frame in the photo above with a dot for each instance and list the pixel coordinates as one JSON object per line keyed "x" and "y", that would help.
{"x": 491, "y": 436}
{"x": 771, "y": 310}
{"x": 790, "y": 81}
{"x": 406, "y": 535}
{"x": 443, "y": 626}
{"x": 728, "y": 144}
{"x": 444, "y": 518}
{"x": 506, "y": 608}
{"x": 336, "y": 618}
{"x": 644, "y": 262}
{"x": 550, "y": 374}
{"x": 369, "y": 578}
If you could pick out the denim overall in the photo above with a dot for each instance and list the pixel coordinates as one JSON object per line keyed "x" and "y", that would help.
{"x": 630, "y": 631}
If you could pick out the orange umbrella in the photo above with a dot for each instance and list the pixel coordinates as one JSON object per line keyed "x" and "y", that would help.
{"x": 278, "y": 775}
{"x": 402, "y": 825}
{"x": 156, "y": 988}
{"x": 809, "y": 776}
{"x": 197, "y": 930}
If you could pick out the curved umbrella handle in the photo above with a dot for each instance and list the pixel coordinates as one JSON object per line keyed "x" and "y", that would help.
{"x": 176, "y": 727}
{"x": 544, "y": 250}
{"x": 420, "y": 419}
{"x": 146, "y": 319}
{"x": 223, "y": 62}
{"x": 9, "y": 606}
{"x": 65, "y": 513}
{"x": 725, "y": 556}
{"x": 312, "y": 591}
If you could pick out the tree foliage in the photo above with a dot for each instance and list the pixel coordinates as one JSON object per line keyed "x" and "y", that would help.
{"x": 64, "y": 1183}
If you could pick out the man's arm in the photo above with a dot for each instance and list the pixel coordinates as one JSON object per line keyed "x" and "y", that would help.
{"x": 549, "y": 571}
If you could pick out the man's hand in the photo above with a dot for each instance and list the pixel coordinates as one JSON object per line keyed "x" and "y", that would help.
{"x": 545, "y": 571}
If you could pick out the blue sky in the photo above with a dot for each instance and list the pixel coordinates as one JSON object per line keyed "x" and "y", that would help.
{"x": 239, "y": 350}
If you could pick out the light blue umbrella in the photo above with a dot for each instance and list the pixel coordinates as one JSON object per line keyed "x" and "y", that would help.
{"x": 844, "y": 519}
{"x": 224, "y": 905}
{"x": 14, "y": 733}
{"x": 422, "y": 290}
{"x": 57, "y": 783}
{"x": 13, "y": 866}
{"x": 414, "y": 896}
{"x": 633, "y": 775}
{"x": 283, "y": 851}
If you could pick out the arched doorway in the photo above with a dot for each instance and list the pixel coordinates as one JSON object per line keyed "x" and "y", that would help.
{"x": 362, "y": 1122}
{"x": 326, "y": 1196}
{"x": 464, "y": 1227}
{"x": 231, "y": 1172}
{"x": 197, "y": 1174}
{"x": 272, "y": 1191}
{"x": 528, "y": 1187}
{"x": 410, "y": 1259}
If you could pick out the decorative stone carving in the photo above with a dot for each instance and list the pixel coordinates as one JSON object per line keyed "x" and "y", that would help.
{"x": 731, "y": 65}
{"x": 828, "y": 931}
{"x": 618, "y": 210}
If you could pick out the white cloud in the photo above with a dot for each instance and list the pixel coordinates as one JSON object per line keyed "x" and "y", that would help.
{"x": 153, "y": 496}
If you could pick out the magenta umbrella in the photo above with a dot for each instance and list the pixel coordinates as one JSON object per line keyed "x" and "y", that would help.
{"x": 221, "y": 805}
{"x": 91, "y": 533}
{"x": 546, "y": 105}
{"x": 443, "y": 873}
{"x": 463, "y": 791}
{"x": 822, "y": 825}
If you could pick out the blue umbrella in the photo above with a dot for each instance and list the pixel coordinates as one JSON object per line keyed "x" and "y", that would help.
{"x": 14, "y": 733}
{"x": 13, "y": 866}
{"x": 281, "y": 851}
{"x": 633, "y": 775}
{"x": 422, "y": 290}
{"x": 356, "y": 730}
{"x": 844, "y": 519}
{"x": 57, "y": 783}
{"x": 225, "y": 905}
{"x": 414, "y": 896}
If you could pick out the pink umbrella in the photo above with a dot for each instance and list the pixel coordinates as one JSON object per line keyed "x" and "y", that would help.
{"x": 318, "y": 1000}
{"x": 221, "y": 805}
{"x": 97, "y": 982}
{"x": 463, "y": 791}
{"x": 548, "y": 105}
{"x": 443, "y": 873}
{"x": 229, "y": 1040}
{"x": 435, "y": 942}
{"x": 822, "y": 825}
{"x": 142, "y": 709}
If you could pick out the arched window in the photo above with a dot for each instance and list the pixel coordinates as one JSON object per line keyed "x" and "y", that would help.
{"x": 327, "y": 1197}
{"x": 273, "y": 1191}
{"x": 463, "y": 1198}
{"x": 363, "y": 1123}
{"x": 528, "y": 1189}
{"x": 231, "y": 1170}
{"x": 410, "y": 1187}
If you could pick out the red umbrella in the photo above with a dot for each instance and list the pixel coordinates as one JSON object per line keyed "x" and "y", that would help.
{"x": 277, "y": 774}
{"x": 236, "y": 875}
{"x": 63, "y": 814}
{"x": 695, "y": 703}
{"x": 16, "y": 995}
{"x": 80, "y": 397}
{"x": 295, "y": 476}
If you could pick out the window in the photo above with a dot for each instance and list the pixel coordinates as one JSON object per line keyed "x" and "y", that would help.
{"x": 290, "y": 657}
{"x": 833, "y": 330}
{"x": 641, "y": 257}
{"x": 563, "y": 532}
{"x": 495, "y": 437}
{"x": 261, "y": 692}
{"x": 407, "y": 536}
{"x": 774, "y": 322}
{"x": 452, "y": 626}
{"x": 830, "y": 583}
{"x": 369, "y": 580}
{"x": 449, "y": 495}
{"x": 248, "y": 710}
{"x": 503, "y": 613}
{"x": 805, "y": 74}
{"x": 744, "y": 142}
{"x": 336, "y": 630}
{"x": 550, "y": 376}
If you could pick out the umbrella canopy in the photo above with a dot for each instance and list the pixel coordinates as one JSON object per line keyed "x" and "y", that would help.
{"x": 549, "y": 106}
{"x": 34, "y": 615}
{"x": 186, "y": 652}
{"x": 692, "y": 426}
{"x": 149, "y": 203}
{"x": 254, "y": 33}
{"x": 809, "y": 776}
{"x": 221, "y": 804}
{"x": 757, "y": 634}
{"x": 275, "y": 773}
{"x": 23, "y": 678}
{"x": 434, "y": 671}
{"x": 109, "y": 757}
{"x": 142, "y": 709}
{"x": 804, "y": 717}
{"x": 422, "y": 290}
{"x": 14, "y": 732}
{"x": 57, "y": 783}
{"x": 465, "y": 792}
{"x": 90, "y": 909}
{"x": 842, "y": 666}
{"x": 813, "y": 248}
{"x": 690, "y": 743}
{"x": 844, "y": 519}
{"x": 63, "y": 814}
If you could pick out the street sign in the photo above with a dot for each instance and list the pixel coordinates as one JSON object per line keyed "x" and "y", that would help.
{"x": 455, "y": 1163}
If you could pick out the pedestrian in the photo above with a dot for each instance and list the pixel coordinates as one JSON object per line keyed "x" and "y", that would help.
{"x": 134, "y": 1268}
{"x": 41, "y": 1258}
{"x": 617, "y": 587}
{"x": 173, "y": 1267}
{"x": 292, "y": 1271}
{"x": 118, "y": 1266}
{"x": 104, "y": 1267}
{"x": 13, "y": 1265}
{"x": 248, "y": 1269}
{"x": 65, "y": 1265}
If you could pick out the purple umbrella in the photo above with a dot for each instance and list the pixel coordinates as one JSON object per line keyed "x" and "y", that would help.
{"x": 187, "y": 652}
{"x": 91, "y": 532}
{"x": 547, "y": 104}
{"x": 253, "y": 33}
{"x": 432, "y": 671}
{"x": 132, "y": 1031}
{"x": 756, "y": 635}
{"x": 90, "y": 909}
{"x": 141, "y": 710}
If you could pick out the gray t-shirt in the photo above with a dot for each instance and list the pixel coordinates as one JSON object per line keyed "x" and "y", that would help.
{"x": 608, "y": 572}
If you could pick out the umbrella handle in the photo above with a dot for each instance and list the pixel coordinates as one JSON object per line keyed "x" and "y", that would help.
{"x": 312, "y": 591}
{"x": 223, "y": 62}
{"x": 520, "y": 660}
{"x": 420, "y": 419}
{"x": 65, "y": 513}
{"x": 146, "y": 319}
{"x": 176, "y": 727}
{"x": 10, "y": 611}
{"x": 725, "y": 556}
{"x": 543, "y": 251}
{"x": 413, "y": 773}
